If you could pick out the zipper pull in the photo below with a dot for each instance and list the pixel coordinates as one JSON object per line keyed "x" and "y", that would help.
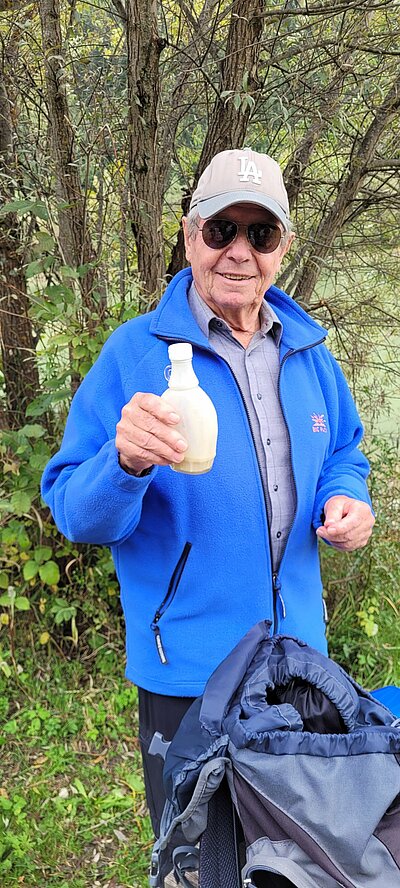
{"x": 157, "y": 636}
{"x": 277, "y": 590}
{"x": 276, "y": 583}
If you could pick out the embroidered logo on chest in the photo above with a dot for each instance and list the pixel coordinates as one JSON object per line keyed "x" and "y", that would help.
{"x": 248, "y": 170}
{"x": 319, "y": 423}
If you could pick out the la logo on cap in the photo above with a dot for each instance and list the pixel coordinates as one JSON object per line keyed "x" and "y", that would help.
{"x": 248, "y": 170}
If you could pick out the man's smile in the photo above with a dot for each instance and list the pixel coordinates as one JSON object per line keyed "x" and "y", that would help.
{"x": 236, "y": 277}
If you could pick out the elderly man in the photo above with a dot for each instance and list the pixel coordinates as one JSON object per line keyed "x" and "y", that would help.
{"x": 200, "y": 559}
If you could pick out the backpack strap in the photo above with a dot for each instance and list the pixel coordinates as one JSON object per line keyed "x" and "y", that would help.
{"x": 219, "y": 858}
{"x": 185, "y": 859}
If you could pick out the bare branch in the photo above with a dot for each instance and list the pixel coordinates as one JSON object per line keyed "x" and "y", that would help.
{"x": 358, "y": 166}
{"x": 119, "y": 9}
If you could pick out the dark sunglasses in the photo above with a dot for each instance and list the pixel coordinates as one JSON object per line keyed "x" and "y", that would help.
{"x": 264, "y": 237}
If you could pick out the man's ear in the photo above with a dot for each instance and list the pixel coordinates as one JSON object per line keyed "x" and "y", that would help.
{"x": 188, "y": 245}
{"x": 288, "y": 244}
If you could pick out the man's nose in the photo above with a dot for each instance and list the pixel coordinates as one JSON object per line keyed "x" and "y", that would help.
{"x": 239, "y": 250}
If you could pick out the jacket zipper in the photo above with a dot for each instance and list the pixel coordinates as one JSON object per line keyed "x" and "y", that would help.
{"x": 276, "y": 584}
{"x": 167, "y": 600}
{"x": 276, "y": 581}
{"x": 274, "y": 610}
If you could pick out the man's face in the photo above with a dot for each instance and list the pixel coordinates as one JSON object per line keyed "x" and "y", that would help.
{"x": 236, "y": 277}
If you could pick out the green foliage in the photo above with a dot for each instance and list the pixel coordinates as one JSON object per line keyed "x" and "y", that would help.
{"x": 72, "y": 809}
{"x": 362, "y": 588}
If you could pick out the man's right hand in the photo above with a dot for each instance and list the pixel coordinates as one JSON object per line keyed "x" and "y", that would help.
{"x": 146, "y": 435}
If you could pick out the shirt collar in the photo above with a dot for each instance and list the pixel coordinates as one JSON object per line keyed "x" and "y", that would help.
{"x": 205, "y": 316}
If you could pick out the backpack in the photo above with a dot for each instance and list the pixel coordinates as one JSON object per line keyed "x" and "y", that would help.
{"x": 286, "y": 769}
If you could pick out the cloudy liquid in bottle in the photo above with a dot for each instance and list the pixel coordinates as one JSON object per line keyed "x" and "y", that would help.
{"x": 198, "y": 418}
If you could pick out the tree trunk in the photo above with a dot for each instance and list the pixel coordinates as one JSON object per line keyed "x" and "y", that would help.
{"x": 74, "y": 233}
{"x": 146, "y": 189}
{"x": 347, "y": 191}
{"x": 21, "y": 378}
{"x": 228, "y": 124}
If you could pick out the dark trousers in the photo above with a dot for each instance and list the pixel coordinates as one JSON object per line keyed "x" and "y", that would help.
{"x": 163, "y": 714}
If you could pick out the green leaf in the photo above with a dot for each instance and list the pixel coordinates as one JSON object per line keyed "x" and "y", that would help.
{"x": 33, "y": 431}
{"x": 22, "y": 604}
{"x": 30, "y": 570}
{"x": 4, "y": 580}
{"x": 45, "y": 241}
{"x": 39, "y": 209}
{"x": 34, "y": 268}
{"x": 68, "y": 272}
{"x": 237, "y": 101}
{"x": 38, "y": 461}
{"x": 15, "y": 206}
{"x": 80, "y": 787}
{"x": 49, "y": 573}
{"x": 58, "y": 292}
{"x": 42, "y": 553}
{"x": 5, "y": 600}
{"x": 20, "y": 502}
{"x": 5, "y": 668}
{"x": 64, "y": 615}
{"x": 135, "y": 782}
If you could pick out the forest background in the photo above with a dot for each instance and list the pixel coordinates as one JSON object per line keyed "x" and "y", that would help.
{"x": 109, "y": 112}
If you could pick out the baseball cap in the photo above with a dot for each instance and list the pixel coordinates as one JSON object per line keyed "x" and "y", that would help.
{"x": 241, "y": 176}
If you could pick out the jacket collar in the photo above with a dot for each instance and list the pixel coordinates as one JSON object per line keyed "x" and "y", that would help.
{"x": 173, "y": 319}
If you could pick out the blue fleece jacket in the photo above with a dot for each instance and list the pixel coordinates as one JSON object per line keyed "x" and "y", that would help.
{"x": 192, "y": 553}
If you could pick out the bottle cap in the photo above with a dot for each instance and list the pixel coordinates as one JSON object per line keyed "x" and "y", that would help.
{"x": 180, "y": 351}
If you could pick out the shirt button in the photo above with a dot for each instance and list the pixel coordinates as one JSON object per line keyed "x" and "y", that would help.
{"x": 268, "y": 440}
{"x": 275, "y": 487}
{"x": 259, "y": 396}
{"x": 279, "y": 535}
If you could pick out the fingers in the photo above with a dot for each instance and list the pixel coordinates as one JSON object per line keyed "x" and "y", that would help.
{"x": 348, "y": 523}
{"x": 146, "y": 434}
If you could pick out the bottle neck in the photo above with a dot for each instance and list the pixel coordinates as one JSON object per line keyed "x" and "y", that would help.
{"x": 182, "y": 375}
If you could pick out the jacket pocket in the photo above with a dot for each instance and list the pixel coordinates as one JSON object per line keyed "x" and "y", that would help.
{"x": 168, "y": 599}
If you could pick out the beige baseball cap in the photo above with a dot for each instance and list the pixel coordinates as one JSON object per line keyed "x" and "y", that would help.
{"x": 241, "y": 176}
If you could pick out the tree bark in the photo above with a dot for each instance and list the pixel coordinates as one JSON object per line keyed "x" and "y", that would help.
{"x": 21, "y": 378}
{"x": 348, "y": 188}
{"x": 228, "y": 125}
{"x": 146, "y": 190}
{"x": 74, "y": 233}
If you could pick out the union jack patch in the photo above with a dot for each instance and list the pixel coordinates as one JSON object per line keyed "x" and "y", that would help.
{"x": 319, "y": 424}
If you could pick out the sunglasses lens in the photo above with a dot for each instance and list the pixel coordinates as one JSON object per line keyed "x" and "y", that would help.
{"x": 218, "y": 233}
{"x": 263, "y": 237}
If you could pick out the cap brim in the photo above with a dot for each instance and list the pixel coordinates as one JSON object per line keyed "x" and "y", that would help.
{"x": 213, "y": 205}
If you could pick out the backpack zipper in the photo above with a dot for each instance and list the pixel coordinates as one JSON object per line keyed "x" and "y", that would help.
{"x": 171, "y": 591}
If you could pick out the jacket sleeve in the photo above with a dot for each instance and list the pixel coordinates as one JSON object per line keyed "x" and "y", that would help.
{"x": 345, "y": 469}
{"x": 91, "y": 498}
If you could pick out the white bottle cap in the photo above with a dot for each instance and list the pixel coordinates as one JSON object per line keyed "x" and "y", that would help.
{"x": 180, "y": 351}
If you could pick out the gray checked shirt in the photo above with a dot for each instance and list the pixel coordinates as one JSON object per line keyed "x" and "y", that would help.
{"x": 256, "y": 370}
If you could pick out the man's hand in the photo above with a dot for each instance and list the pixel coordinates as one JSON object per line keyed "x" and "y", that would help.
{"x": 348, "y": 523}
{"x": 146, "y": 435}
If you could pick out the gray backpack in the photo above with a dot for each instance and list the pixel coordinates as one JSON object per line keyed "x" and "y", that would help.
{"x": 284, "y": 773}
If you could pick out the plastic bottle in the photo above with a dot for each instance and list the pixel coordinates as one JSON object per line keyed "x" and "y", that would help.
{"x": 198, "y": 417}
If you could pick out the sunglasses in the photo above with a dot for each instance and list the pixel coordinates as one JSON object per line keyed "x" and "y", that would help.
{"x": 264, "y": 237}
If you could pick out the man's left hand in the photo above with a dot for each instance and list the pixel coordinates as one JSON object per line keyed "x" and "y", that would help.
{"x": 348, "y": 523}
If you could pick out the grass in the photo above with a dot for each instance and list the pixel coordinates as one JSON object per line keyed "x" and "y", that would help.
{"x": 72, "y": 804}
